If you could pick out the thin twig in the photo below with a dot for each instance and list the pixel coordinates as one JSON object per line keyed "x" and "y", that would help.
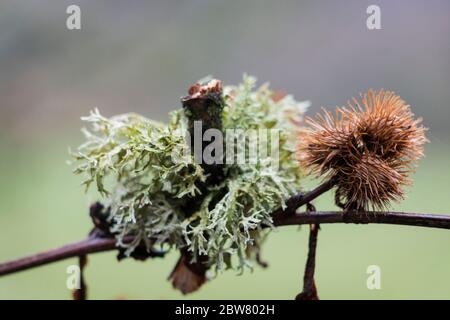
{"x": 441, "y": 221}
{"x": 309, "y": 286}
{"x": 300, "y": 199}
{"x": 100, "y": 245}
{"x": 81, "y": 293}
{"x": 90, "y": 245}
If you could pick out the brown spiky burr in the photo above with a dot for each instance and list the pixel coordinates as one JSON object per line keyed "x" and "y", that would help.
{"x": 369, "y": 148}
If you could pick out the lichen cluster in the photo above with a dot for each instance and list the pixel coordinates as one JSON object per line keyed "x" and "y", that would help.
{"x": 130, "y": 160}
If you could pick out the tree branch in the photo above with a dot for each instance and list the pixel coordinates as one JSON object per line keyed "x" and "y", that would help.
{"x": 93, "y": 245}
{"x": 90, "y": 245}
{"x": 309, "y": 286}
{"x": 301, "y": 198}
{"x": 361, "y": 217}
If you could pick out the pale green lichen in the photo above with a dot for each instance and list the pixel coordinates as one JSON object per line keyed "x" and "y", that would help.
{"x": 148, "y": 187}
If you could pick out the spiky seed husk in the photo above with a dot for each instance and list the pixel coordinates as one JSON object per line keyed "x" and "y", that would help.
{"x": 372, "y": 182}
{"x": 369, "y": 147}
{"x": 387, "y": 126}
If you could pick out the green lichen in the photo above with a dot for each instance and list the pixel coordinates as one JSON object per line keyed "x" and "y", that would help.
{"x": 131, "y": 161}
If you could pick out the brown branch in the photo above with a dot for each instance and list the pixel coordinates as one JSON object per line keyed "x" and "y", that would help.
{"x": 90, "y": 245}
{"x": 99, "y": 245}
{"x": 309, "y": 286}
{"x": 300, "y": 199}
{"x": 441, "y": 221}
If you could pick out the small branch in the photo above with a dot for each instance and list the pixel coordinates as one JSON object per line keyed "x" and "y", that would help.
{"x": 83, "y": 247}
{"x": 99, "y": 245}
{"x": 300, "y": 199}
{"x": 204, "y": 110}
{"x": 441, "y": 221}
{"x": 309, "y": 286}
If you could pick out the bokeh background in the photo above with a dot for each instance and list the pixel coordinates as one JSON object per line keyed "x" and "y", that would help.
{"x": 142, "y": 55}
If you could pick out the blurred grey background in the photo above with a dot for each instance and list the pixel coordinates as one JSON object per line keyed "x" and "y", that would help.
{"x": 143, "y": 55}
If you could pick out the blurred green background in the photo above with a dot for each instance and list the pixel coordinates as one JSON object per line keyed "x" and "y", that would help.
{"x": 141, "y": 56}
